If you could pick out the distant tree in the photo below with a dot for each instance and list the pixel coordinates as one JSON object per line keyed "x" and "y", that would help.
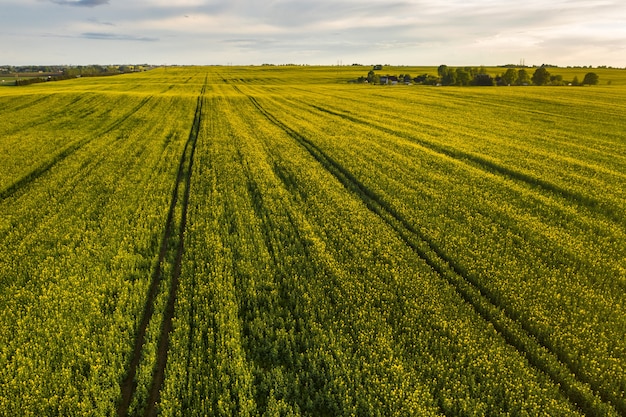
{"x": 407, "y": 78}
{"x": 556, "y": 80}
{"x": 463, "y": 76}
{"x": 522, "y": 77}
{"x": 449, "y": 78}
{"x": 509, "y": 77}
{"x": 370, "y": 76}
{"x": 591, "y": 78}
{"x": 541, "y": 76}
{"x": 421, "y": 79}
{"x": 425, "y": 79}
{"x": 575, "y": 80}
{"x": 447, "y": 75}
{"x": 442, "y": 70}
{"x": 483, "y": 80}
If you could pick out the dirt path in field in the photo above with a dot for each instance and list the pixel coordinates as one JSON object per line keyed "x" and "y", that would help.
{"x": 163, "y": 347}
{"x": 173, "y": 232}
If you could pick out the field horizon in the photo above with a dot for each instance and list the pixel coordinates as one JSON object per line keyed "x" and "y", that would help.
{"x": 347, "y": 73}
{"x": 277, "y": 241}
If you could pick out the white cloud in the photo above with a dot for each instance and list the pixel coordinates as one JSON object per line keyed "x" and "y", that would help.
{"x": 195, "y": 24}
{"x": 411, "y": 31}
{"x": 116, "y": 37}
{"x": 169, "y": 4}
{"x": 80, "y": 3}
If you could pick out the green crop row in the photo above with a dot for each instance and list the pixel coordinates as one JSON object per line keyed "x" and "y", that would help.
{"x": 542, "y": 252}
{"x": 297, "y": 299}
{"x": 79, "y": 242}
{"x": 273, "y": 241}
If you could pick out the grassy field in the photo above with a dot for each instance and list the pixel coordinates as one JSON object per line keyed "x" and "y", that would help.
{"x": 275, "y": 241}
{"x": 7, "y": 81}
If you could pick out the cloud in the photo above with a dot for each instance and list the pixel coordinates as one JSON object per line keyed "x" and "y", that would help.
{"x": 169, "y": 4}
{"x": 208, "y": 24}
{"x": 81, "y": 3}
{"x": 98, "y": 22}
{"x": 116, "y": 37}
{"x": 467, "y": 32}
{"x": 248, "y": 43}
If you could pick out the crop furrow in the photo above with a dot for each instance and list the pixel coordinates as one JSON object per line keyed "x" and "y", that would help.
{"x": 45, "y": 117}
{"x": 584, "y": 394}
{"x": 184, "y": 176}
{"x": 37, "y": 99}
{"x": 596, "y": 148}
{"x": 172, "y": 244}
{"x": 603, "y": 208}
{"x": 69, "y": 150}
{"x": 192, "y": 314}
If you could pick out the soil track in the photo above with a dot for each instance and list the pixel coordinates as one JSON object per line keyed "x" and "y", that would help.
{"x": 172, "y": 244}
{"x": 588, "y": 397}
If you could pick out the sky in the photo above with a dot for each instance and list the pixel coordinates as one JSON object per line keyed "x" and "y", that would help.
{"x": 314, "y": 32}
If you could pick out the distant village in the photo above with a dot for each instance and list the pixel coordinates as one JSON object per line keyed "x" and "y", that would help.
{"x": 30, "y": 74}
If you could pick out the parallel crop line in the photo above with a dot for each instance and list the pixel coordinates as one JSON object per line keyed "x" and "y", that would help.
{"x": 478, "y": 297}
{"x": 45, "y": 117}
{"x": 46, "y": 166}
{"x": 600, "y": 207}
{"x": 184, "y": 174}
{"x": 129, "y": 384}
{"x": 586, "y": 148}
{"x": 30, "y": 103}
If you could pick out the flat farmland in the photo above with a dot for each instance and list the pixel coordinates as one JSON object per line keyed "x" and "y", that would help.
{"x": 274, "y": 241}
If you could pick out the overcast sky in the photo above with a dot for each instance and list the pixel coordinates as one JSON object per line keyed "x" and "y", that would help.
{"x": 411, "y": 32}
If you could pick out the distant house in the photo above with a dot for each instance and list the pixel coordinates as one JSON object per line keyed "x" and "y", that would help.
{"x": 378, "y": 67}
{"x": 389, "y": 79}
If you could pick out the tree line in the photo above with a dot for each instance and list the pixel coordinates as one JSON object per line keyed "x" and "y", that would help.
{"x": 478, "y": 76}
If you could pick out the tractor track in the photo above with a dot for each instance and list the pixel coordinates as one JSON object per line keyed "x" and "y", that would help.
{"x": 602, "y": 208}
{"x": 584, "y": 394}
{"x": 172, "y": 246}
{"x": 163, "y": 346}
{"x": 611, "y": 212}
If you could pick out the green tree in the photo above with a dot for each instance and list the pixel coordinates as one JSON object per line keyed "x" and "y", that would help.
{"x": 575, "y": 80}
{"x": 591, "y": 78}
{"x": 522, "y": 77}
{"x": 426, "y": 79}
{"x": 509, "y": 77}
{"x": 449, "y": 78}
{"x": 541, "y": 76}
{"x": 447, "y": 75}
{"x": 483, "y": 80}
{"x": 556, "y": 80}
{"x": 463, "y": 77}
{"x": 442, "y": 70}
